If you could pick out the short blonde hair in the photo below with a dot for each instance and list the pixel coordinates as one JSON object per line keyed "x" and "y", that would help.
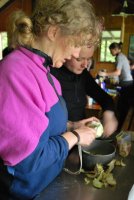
{"x": 74, "y": 17}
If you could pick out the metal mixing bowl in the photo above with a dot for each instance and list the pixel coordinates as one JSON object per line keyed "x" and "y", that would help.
{"x": 101, "y": 152}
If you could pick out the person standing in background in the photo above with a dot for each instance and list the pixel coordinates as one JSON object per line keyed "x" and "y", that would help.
{"x": 122, "y": 66}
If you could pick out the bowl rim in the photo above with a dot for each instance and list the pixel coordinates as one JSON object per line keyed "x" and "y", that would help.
{"x": 99, "y": 155}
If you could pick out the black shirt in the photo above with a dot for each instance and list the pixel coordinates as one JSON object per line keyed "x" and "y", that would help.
{"x": 76, "y": 87}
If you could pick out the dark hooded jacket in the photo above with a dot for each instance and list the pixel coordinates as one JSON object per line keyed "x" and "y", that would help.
{"x": 75, "y": 88}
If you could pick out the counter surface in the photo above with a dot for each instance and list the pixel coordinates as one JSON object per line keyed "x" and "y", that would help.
{"x": 73, "y": 187}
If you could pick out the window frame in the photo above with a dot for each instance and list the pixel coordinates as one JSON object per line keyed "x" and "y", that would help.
{"x": 108, "y": 41}
{"x": 3, "y": 44}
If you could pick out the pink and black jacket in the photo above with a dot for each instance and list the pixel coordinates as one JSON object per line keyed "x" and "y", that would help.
{"x": 32, "y": 120}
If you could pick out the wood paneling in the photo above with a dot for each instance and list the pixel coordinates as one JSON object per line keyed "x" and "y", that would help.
{"x": 102, "y": 7}
{"x": 102, "y": 65}
{"x": 25, "y": 5}
{"x": 106, "y": 8}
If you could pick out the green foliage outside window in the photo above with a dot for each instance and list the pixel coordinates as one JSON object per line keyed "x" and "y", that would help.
{"x": 3, "y": 42}
{"x": 107, "y": 38}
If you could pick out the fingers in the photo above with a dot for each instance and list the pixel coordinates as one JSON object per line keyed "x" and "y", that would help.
{"x": 91, "y": 119}
{"x": 87, "y": 136}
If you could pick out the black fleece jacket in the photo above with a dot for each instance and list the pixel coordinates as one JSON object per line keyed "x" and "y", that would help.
{"x": 76, "y": 87}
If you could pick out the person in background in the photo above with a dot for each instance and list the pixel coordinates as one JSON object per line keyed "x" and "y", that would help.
{"x": 77, "y": 83}
{"x": 33, "y": 116}
{"x": 122, "y": 66}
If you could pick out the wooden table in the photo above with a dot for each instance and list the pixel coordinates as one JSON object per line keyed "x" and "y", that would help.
{"x": 72, "y": 187}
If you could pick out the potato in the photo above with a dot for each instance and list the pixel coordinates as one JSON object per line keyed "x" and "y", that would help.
{"x": 97, "y": 126}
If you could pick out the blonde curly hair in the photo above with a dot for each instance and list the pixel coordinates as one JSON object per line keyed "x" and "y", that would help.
{"x": 74, "y": 17}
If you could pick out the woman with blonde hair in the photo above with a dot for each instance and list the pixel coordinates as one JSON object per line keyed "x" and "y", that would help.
{"x": 33, "y": 116}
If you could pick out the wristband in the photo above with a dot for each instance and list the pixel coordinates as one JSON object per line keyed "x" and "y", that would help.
{"x": 77, "y": 135}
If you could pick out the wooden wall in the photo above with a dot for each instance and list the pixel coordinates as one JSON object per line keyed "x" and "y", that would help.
{"x": 102, "y": 7}
{"x": 102, "y": 65}
{"x": 105, "y": 8}
{"x": 25, "y": 5}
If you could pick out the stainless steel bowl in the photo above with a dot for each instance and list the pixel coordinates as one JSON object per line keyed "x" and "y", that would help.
{"x": 101, "y": 152}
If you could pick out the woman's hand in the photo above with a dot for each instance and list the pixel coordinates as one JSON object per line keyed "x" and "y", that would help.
{"x": 86, "y": 136}
{"x": 110, "y": 123}
{"x": 81, "y": 123}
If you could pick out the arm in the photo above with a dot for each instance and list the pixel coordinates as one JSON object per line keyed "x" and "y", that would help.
{"x": 86, "y": 135}
{"x": 110, "y": 123}
{"x": 119, "y": 65}
{"x": 107, "y": 104}
{"x": 132, "y": 67}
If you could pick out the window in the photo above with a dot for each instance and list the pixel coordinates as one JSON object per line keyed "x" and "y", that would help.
{"x": 3, "y": 2}
{"x": 107, "y": 38}
{"x": 3, "y": 42}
